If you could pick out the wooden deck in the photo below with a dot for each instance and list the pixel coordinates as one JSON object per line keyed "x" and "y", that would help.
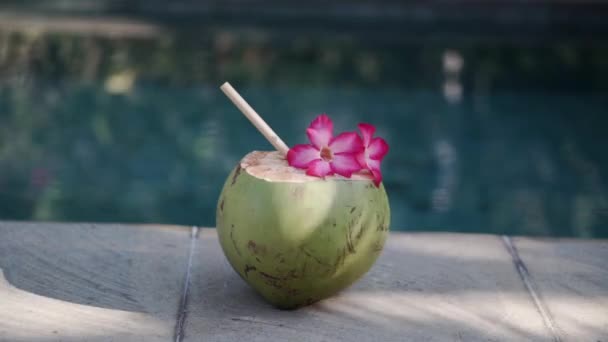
{"x": 101, "y": 282}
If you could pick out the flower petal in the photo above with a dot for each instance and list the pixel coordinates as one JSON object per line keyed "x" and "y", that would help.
{"x": 319, "y": 168}
{"x": 347, "y": 142}
{"x": 320, "y": 131}
{"x": 367, "y": 132}
{"x": 374, "y": 167}
{"x": 345, "y": 164}
{"x": 377, "y": 149}
{"x": 372, "y": 164}
{"x": 362, "y": 159}
{"x": 377, "y": 176}
{"x": 301, "y": 155}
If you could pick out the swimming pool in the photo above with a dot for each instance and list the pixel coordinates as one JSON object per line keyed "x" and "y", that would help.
{"x": 486, "y": 136}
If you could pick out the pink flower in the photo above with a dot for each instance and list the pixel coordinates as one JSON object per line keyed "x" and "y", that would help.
{"x": 327, "y": 154}
{"x": 374, "y": 150}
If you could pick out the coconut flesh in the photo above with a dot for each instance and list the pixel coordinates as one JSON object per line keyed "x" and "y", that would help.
{"x": 298, "y": 239}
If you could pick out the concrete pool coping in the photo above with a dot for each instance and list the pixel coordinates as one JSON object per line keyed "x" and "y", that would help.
{"x": 118, "y": 282}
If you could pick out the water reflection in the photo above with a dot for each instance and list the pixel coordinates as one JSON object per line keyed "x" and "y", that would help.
{"x": 485, "y": 137}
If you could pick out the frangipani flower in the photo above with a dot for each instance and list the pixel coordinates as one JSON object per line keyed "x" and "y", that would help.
{"x": 327, "y": 154}
{"x": 374, "y": 150}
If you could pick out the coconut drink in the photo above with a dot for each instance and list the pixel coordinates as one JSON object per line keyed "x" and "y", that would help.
{"x": 300, "y": 224}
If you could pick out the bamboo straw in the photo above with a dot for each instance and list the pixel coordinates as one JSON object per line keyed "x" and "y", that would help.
{"x": 255, "y": 118}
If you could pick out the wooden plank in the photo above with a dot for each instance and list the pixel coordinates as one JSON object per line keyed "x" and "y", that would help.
{"x": 77, "y": 282}
{"x": 424, "y": 287}
{"x": 572, "y": 279}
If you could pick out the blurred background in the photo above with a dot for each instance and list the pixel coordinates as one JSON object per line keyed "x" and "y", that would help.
{"x": 496, "y": 111}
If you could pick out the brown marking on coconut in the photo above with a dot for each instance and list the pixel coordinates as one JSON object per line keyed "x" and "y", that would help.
{"x": 311, "y": 256}
{"x": 269, "y": 276}
{"x": 273, "y": 281}
{"x": 377, "y": 246}
{"x": 349, "y": 239}
{"x": 236, "y": 246}
{"x": 382, "y": 226}
{"x": 355, "y": 221}
{"x": 362, "y": 229}
{"x": 237, "y": 172}
{"x": 340, "y": 257}
{"x": 249, "y": 268}
{"x": 256, "y": 249}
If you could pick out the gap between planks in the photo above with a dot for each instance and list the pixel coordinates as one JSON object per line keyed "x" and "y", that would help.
{"x": 518, "y": 263}
{"x": 182, "y": 310}
{"x": 532, "y": 289}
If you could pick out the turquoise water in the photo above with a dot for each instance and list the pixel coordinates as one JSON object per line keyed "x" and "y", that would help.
{"x": 485, "y": 137}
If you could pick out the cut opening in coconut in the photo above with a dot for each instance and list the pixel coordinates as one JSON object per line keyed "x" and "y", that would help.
{"x": 272, "y": 167}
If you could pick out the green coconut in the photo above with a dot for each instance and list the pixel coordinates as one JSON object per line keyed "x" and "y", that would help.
{"x": 298, "y": 239}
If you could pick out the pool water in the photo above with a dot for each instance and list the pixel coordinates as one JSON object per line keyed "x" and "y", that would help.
{"x": 494, "y": 137}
